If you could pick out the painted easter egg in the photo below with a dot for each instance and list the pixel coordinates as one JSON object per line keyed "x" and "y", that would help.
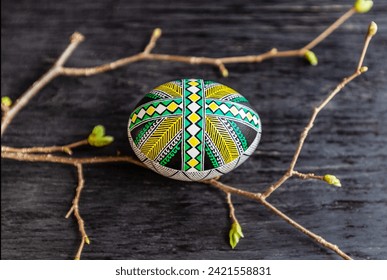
{"x": 193, "y": 129}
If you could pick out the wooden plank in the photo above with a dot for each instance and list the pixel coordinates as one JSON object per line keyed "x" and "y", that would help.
{"x": 132, "y": 213}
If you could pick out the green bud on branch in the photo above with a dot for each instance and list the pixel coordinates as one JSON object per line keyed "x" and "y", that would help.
{"x": 363, "y": 6}
{"x": 235, "y": 234}
{"x": 6, "y": 101}
{"x": 67, "y": 150}
{"x": 372, "y": 28}
{"x": 157, "y": 33}
{"x": 97, "y": 137}
{"x": 332, "y": 180}
{"x": 224, "y": 72}
{"x": 311, "y": 57}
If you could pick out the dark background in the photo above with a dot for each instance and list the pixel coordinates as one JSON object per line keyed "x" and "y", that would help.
{"x": 133, "y": 213}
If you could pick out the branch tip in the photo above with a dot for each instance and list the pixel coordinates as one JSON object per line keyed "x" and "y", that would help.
{"x": 157, "y": 32}
{"x": 77, "y": 37}
{"x": 223, "y": 70}
{"x": 372, "y": 29}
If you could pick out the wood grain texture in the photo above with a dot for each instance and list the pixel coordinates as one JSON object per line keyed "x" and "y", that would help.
{"x": 132, "y": 213}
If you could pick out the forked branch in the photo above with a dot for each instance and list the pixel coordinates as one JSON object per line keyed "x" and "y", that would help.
{"x": 45, "y": 150}
{"x": 75, "y": 209}
{"x": 259, "y": 198}
{"x": 360, "y": 69}
{"x": 58, "y": 68}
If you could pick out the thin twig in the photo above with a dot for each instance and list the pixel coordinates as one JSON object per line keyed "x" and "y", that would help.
{"x": 370, "y": 34}
{"x": 45, "y": 150}
{"x": 305, "y": 231}
{"x": 69, "y": 160}
{"x": 152, "y": 42}
{"x": 75, "y": 209}
{"x": 26, "y": 154}
{"x": 227, "y": 189}
{"x": 232, "y": 209}
{"x": 59, "y": 70}
{"x": 259, "y": 198}
{"x": 330, "y": 29}
{"x": 218, "y": 62}
{"x": 358, "y": 71}
{"x": 51, "y": 74}
{"x": 306, "y": 176}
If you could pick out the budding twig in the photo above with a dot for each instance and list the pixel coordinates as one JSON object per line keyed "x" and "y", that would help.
{"x": 307, "y": 176}
{"x": 58, "y": 68}
{"x": 360, "y": 69}
{"x": 51, "y": 74}
{"x": 152, "y": 42}
{"x": 261, "y": 199}
{"x": 372, "y": 29}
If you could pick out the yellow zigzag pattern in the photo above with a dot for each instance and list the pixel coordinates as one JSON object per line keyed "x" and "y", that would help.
{"x": 164, "y": 133}
{"x": 222, "y": 139}
{"x": 219, "y": 91}
{"x": 171, "y": 88}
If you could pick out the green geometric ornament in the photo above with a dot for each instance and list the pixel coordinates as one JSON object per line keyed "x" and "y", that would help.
{"x": 193, "y": 129}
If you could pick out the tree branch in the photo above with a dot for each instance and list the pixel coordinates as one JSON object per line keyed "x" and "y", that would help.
{"x": 51, "y": 74}
{"x": 69, "y": 160}
{"x": 217, "y": 62}
{"x": 330, "y": 29}
{"x": 45, "y": 150}
{"x": 58, "y": 70}
{"x": 75, "y": 209}
{"x": 360, "y": 69}
{"x": 260, "y": 198}
{"x": 307, "y": 176}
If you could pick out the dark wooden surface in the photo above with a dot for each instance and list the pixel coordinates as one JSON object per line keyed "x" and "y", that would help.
{"x": 132, "y": 213}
